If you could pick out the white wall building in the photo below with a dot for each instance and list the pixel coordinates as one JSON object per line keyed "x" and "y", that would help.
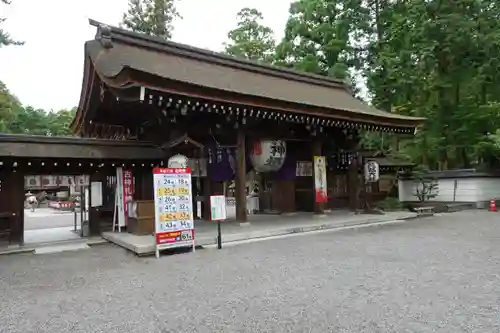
{"x": 456, "y": 186}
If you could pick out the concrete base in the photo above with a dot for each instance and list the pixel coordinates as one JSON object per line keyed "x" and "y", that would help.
{"x": 140, "y": 245}
{"x": 145, "y": 245}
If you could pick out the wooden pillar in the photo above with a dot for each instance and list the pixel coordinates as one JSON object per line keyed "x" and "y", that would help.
{"x": 207, "y": 192}
{"x": 240, "y": 179}
{"x": 316, "y": 148}
{"x": 353, "y": 183}
{"x": 147, "y": 186}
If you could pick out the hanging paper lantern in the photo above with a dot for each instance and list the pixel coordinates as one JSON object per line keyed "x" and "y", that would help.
{"x": 178, "y": 161}
{"x": 268, "y": 155}
{"x": 372, "y": 171}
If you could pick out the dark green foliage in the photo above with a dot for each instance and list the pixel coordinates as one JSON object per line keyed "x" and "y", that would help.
{"x": 320, "y": 38}
{"x": 151, "y": 17}
{"x": 390, "y": 204}
{"x": 16, "y": 119}
{"x": 435, "y": 59}
{"x": 439, "y": 60}
{"x": 250, "y": 39}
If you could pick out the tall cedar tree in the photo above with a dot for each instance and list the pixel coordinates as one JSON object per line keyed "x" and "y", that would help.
{"x": 320, "y": 37}
{"x": 251, "y": 39}
{"x": 151, "y": 17}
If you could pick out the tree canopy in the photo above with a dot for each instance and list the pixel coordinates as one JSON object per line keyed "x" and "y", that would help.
{"x": 318, "y": 37}
{"x": 430, "y": 58}
{"x": 16, "y": 119}
{"x": 5, "y": 39}
{"x": 251, "y": 39}
{"x": 151, "y": 17}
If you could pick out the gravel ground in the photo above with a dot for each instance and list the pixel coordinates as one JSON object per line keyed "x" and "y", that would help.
{"x": 46, "y": 218}
{"x": 429, "y": 275}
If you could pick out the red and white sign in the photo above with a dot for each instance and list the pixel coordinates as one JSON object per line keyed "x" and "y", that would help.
{"x": 128, "y": 189}
{"x": 174, "y": 225}
{"x": 60, "y": 204}
{"x": 124, "y": 194}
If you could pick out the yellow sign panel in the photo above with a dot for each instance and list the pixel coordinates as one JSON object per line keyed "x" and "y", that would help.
{"x": 166, "y": 191}
{"x": 165, "y": 217}
{"x": 183, "y": 216}
{"x": 173, "y": 191}
{"x": 182, "y": 191}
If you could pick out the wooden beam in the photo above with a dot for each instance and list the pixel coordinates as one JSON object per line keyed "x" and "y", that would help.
{"x": 184, "y": 139}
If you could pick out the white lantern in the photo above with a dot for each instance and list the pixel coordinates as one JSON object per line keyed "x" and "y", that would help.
{"x": 372, "y": 172}
{"x": 178, "y": 161}
{"x": 268, "y": 155}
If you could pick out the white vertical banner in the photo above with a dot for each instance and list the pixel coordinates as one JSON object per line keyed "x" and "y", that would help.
{"x": 119, "y": 202}
{"x": 320, "y": 179}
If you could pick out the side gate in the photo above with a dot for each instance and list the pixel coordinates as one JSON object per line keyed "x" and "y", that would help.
{"x": 11, "y": 207}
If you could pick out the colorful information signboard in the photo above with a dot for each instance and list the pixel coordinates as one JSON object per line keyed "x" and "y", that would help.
{"x": 174, "y": 225}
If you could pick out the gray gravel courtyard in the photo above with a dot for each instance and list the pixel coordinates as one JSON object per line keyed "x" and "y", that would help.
{"x": 429, "y": 275}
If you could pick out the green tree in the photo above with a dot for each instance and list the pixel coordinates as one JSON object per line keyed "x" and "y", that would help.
{"x": 151, "y": 17}
{"x": 16, "y": 119}
{"x": 438, "y": 60}
{"x": 59, "y": 122}
{"x": 251, "y": 39}
{"x": 320, "y": 37}
{"x": 9, "y": 107}
{"x": 29, "y": 120}
{"x": 431, "y": 58}
{"x": 5, "y": 38}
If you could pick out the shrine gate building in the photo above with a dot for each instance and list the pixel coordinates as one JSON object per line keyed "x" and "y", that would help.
{"x": 144, "y": 100}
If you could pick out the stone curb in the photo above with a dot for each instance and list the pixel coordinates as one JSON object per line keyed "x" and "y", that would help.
{"x": 210, "y": 241}
{"x": 32, "y": 247}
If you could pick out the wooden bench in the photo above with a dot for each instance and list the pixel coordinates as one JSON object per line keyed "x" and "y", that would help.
{"x": 425, "y": 211}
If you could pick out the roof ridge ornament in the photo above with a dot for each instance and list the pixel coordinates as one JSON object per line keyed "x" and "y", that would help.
{"x": 103, "y": 35}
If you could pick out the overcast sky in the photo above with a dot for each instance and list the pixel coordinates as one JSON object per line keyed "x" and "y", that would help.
{"x": 47, "y": 71}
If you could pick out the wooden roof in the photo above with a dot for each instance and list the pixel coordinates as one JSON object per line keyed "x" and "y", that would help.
{"x": 70, "y": 147}
{"x": 121, "y": 59}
